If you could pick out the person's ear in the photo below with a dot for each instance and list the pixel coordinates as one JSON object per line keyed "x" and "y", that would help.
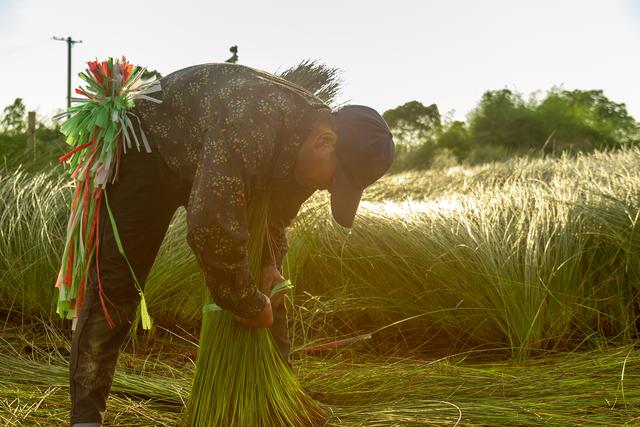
{"x": 327, "y": 139}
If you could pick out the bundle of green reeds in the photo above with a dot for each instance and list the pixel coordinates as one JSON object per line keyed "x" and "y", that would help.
{"x": 240, "y": 378}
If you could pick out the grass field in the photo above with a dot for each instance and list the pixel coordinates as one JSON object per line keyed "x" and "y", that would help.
{"x": 597, "y": 387}
{"x": 505, "y": 294}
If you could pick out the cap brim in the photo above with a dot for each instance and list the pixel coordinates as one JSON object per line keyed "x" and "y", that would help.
{"x": 345, "y": 198}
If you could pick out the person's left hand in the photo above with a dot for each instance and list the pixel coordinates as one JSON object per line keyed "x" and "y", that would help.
{"x": 270, "y": 277}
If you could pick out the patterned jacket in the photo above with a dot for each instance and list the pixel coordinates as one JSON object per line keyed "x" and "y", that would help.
{"x": 230, "y": 129}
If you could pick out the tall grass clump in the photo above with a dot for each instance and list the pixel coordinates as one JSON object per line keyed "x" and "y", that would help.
{"x": 523, "y": 255}
{"x": 598, "y": 167}
{"x": 526, "y": 265}
{"x": 320, "y": 79}
{"x": 32, "y": 225}
{"x": 240, "y": 377}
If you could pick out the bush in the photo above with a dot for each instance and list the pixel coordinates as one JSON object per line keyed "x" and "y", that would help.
{"x": 486, "y": 154}
{"x": 584, "y": 120}
{"x": 503, "y": 118}
{"x": 503, "y": 124}
{"x": 456, "y": 139}
{"x": 414, "y": 156}
{"x": 16, "y": 151}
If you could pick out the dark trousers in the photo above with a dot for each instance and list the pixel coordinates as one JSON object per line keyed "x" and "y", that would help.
{"x": 143, "y": 202}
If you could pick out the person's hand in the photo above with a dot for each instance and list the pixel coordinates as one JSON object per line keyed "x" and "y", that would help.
{"x": 262, "y": 320}
{"x": 269, "y": 278}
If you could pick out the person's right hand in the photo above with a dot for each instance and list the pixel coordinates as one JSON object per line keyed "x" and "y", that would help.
{"x": 262, "y": 320}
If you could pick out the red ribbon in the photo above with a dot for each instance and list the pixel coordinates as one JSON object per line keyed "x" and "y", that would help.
{"x": 66, "y": 157}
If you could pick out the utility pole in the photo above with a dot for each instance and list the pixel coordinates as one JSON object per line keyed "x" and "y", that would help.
{"x": 70, "y": 43}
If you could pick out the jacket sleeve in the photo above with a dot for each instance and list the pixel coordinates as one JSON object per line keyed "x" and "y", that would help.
{"x": 233, "y": 152}
{"x": 286, "y": 201}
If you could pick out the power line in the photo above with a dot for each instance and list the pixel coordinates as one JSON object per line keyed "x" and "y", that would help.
{"x": 70, "y": 43}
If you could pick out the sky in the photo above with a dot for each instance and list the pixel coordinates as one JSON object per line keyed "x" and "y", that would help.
{"x": 444, "y": 52}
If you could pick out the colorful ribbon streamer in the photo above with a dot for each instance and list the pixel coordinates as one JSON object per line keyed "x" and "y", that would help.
{"x": 100, "y": 131}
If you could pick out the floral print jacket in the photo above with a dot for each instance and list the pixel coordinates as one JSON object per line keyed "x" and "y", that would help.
{"x": 232, "y": 130}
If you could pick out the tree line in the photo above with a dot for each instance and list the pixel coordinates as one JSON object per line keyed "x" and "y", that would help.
{"x": 503, "y": 124}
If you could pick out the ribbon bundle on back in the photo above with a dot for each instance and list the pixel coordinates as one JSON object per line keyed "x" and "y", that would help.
{"x": 101, "y": 129}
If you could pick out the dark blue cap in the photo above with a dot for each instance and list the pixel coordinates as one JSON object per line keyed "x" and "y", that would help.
{"x": 364, "y": 151}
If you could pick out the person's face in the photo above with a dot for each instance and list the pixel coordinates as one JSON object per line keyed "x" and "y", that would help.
{"x": 316, "y": 161}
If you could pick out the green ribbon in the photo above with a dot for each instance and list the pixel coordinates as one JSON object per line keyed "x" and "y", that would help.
{"x": 144, "y": 313}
